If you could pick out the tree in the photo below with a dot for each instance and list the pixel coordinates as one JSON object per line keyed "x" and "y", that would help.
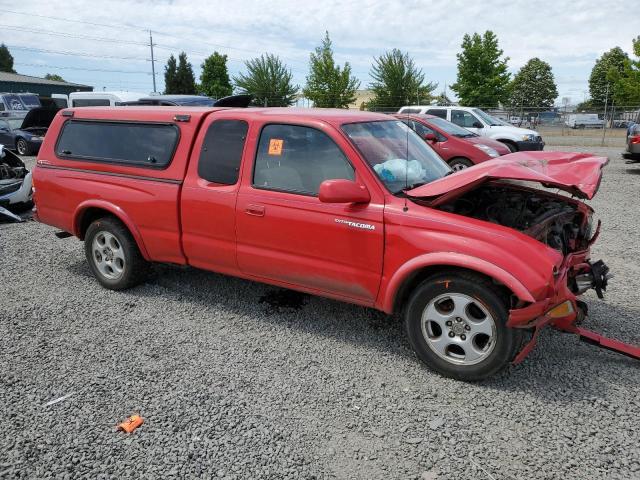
{"x": 397, "y": 81}
{"x": 170, "y": 72}
{"x": 269, "y": 81}
{"x": 214, "y": 80}
{"x": 185, "y": 79}
{"x": 626, "y": 83}
{"x": 483, "y": 78}
{"x": 54, "y": 76}
{"x": 328, "y": 85}
{"x": 533, "y": 86}
{"x": 609, "y": 62}
{"x": 6, "y": 59}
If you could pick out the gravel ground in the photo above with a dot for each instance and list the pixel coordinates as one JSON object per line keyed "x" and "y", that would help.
{"x": 239, "y": 380}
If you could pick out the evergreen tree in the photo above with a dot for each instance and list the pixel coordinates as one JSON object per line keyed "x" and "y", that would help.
{"x": 185, "y": 79}
{"x": 170, "y": 72}
{"x": 328, "y": 85}
{"x": 54, "y": 76}
{"x": 483, "y": 78}
{"x": 607, "y": 65}
{"x": 6, "y": 59}
{"x": 269, "y": 81}
{"x": 397, "y": 81}
{"x": 533, "y": 86}
{"x": 214, "y": 80}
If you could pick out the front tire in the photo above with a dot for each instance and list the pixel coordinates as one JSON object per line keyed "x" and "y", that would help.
{"x": 113, "y": 255}
{"x": 456, "y": 324}
{"x": 22, "y": 146}
{"x": 511, "y": 146}
{"x": 460, "y": 163}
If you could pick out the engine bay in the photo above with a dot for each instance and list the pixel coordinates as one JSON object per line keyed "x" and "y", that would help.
{"x": 551, "y": 219}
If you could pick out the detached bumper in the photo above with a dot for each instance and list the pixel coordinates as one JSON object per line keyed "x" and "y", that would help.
{"x": 536, "y": 145}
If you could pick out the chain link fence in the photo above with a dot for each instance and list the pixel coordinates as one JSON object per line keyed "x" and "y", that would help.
{"x": 565, "y": 126}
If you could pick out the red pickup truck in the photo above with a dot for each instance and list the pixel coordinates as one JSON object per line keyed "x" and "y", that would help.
{"x": 349, "y": 205}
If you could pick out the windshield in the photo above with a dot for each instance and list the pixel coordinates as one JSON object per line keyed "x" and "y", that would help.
{"x": 493, "y": 121}
{"x": 15, "y": 123}
{"x": 387, "y": 145}
{"x": 30, "y": 101}
{"x": 13, "y": 102}
{"x": 450, "y": 128}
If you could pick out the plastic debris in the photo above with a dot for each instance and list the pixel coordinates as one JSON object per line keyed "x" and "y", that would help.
{"x": 59, "y": 399}
{"x": 130, "y": 424}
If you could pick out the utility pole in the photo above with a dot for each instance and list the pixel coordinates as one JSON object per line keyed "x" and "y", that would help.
{"x": 604, "y": 123}
{"x": 153, "y": 62}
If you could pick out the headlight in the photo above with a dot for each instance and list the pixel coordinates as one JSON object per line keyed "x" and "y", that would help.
{"x": 528, "y": 138}
{"x": 486, "y": 149}
{"x": 37, "y": 139}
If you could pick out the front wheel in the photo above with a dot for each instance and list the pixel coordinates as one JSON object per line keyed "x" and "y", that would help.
{"x": 456, "y": 324}
{"x": 22, "y": 146}
{"x": 511, "y": 146}
{"x": 460, "y": 163}
{"x": 113, "y": 255}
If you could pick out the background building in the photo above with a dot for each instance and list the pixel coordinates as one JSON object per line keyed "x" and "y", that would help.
{"x": 16, "y": 83}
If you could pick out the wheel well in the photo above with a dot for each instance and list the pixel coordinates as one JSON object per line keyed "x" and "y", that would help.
{"x": 508, "y": 142}
{"x": 417, "y": 277}
{"x": 88, "y": 216}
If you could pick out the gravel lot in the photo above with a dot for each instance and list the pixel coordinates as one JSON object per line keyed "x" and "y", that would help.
{"x": 240, "y": 380}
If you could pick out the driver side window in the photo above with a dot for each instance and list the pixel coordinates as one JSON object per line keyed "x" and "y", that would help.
{"x": 463, "y": 119}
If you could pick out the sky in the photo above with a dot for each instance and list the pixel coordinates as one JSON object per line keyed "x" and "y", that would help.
{"x": 106, "y": 44}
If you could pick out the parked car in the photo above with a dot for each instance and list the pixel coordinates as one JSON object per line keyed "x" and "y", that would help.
{"x": 513, "y": 120}
{"x": 349, "y": 205}
{"x": 25, "y": 135}
{"x": 456, "y": 145}
{"x": 95, "y": 99}
{"x": 15, "y": 185}
{"x": 485, "y": 125}
{"x": 30, "y": 100}
{"x": 583, "y": 120}
{"x": 11, "y": 105}
{"x": 633, "y": 143}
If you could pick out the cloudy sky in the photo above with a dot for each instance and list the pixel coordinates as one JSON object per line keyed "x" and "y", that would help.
{"x": 106, "y": 44}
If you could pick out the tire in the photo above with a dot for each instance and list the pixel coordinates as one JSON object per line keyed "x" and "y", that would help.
{"x": 511, "y": 146}
{"x": 22, "y": 147}
{"x": 113, "y": 255}
{"x": 460, "y": 163}
{"x": 481, "y": 345}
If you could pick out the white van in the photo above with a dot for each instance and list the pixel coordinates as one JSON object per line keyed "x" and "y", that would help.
{"x": 584, "y": 120}
{"x": 96, "y": 99}
{"x": 480, "y": 122}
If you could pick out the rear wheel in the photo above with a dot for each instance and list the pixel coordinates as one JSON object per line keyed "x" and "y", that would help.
{"x": 22, "y": 146}
{"x": 460, "y": 163}
{"x": 456, "y": 324}
{"x": 113, "y": 255}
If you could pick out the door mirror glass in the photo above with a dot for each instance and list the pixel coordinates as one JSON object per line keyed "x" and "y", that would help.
{"x": 343, "y": 191}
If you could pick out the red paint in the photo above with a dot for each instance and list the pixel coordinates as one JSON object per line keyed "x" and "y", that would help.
{"x": 354, "y": 242}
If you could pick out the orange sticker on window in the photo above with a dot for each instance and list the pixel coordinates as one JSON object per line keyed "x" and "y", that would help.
{"x": 275, "y": 146}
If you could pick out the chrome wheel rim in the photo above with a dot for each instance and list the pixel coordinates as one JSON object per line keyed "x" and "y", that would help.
{"x": 22, "y": 147}
{"x": 456, "y": 167}
{"x": 459, "y": 329}
{"x": 108, "y": 255}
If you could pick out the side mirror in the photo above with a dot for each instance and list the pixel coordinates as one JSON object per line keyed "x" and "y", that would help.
{"x": 431, "y": 137}
{"x": 343, "y": 191}
{"x": 477, "y": 125}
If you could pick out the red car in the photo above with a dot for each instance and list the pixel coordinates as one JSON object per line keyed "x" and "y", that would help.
{"x": 348, "y": 205}
{"x": 459, "y": 147}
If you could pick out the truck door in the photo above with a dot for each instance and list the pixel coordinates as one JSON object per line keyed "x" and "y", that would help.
{"x": 467, "y": 120}
{"x": 285, "y": 234}
{"x": 209, "y": 194}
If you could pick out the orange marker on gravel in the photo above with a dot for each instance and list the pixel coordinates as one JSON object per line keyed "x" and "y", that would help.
{"x": 130, "y": 424}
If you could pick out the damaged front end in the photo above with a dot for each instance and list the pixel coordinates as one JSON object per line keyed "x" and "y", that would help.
{"x": 493, "y": 192}
{"x": 15, "y": 186}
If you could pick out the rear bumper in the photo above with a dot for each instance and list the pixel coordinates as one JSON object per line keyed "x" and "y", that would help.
{"x": 537, "y": 145}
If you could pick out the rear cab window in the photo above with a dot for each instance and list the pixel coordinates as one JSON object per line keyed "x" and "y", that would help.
{"x": 221, "y": 153}
{"x": 138, "y": 144}
{"x": 90, "y": 102}
{"x": 297, "y": 159}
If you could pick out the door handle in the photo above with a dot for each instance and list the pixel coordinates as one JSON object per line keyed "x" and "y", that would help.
{"x": 255, "y": 210}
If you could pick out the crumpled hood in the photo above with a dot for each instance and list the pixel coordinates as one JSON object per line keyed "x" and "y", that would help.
{"x": 576, "y": 173}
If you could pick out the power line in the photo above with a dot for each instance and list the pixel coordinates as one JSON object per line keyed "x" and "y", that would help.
{"x": 119, "y": 27}
{"x": 69, "y": 35}
{"x": 75, "y": 54}
{"x": 80, "y": 68}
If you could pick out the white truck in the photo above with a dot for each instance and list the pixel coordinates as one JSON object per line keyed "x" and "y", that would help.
{"x": 483, "y": 124}
{"x": 96, "y": 99}
{"x": 583, "y": 120}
